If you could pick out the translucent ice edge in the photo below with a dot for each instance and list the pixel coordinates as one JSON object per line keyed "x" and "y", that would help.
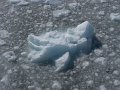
{"x": 50, "y": 46}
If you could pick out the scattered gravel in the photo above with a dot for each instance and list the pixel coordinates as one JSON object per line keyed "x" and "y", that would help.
{"x": 97, "y": 71}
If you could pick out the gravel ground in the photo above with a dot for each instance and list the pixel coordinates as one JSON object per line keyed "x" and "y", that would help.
{"x": 100, "y": 70}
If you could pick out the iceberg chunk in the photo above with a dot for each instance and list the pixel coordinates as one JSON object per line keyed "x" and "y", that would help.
{"x": 85, "y": 30}
{"x": 62, "y": 12}
{"x": 61, "y": 45}
{"x": 115, "y": 16}
{"x": 23, "y": 3}
{"x": 48, "y": 53}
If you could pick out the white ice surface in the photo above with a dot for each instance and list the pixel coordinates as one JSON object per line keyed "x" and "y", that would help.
{"x": 54, "y": 44}
{"x": 115, "y": 16}
{"x": 4, "y": 34}
{"x": 62, "y": 12}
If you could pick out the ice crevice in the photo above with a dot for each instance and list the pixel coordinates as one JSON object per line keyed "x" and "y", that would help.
{"x": 60, "y": 48}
